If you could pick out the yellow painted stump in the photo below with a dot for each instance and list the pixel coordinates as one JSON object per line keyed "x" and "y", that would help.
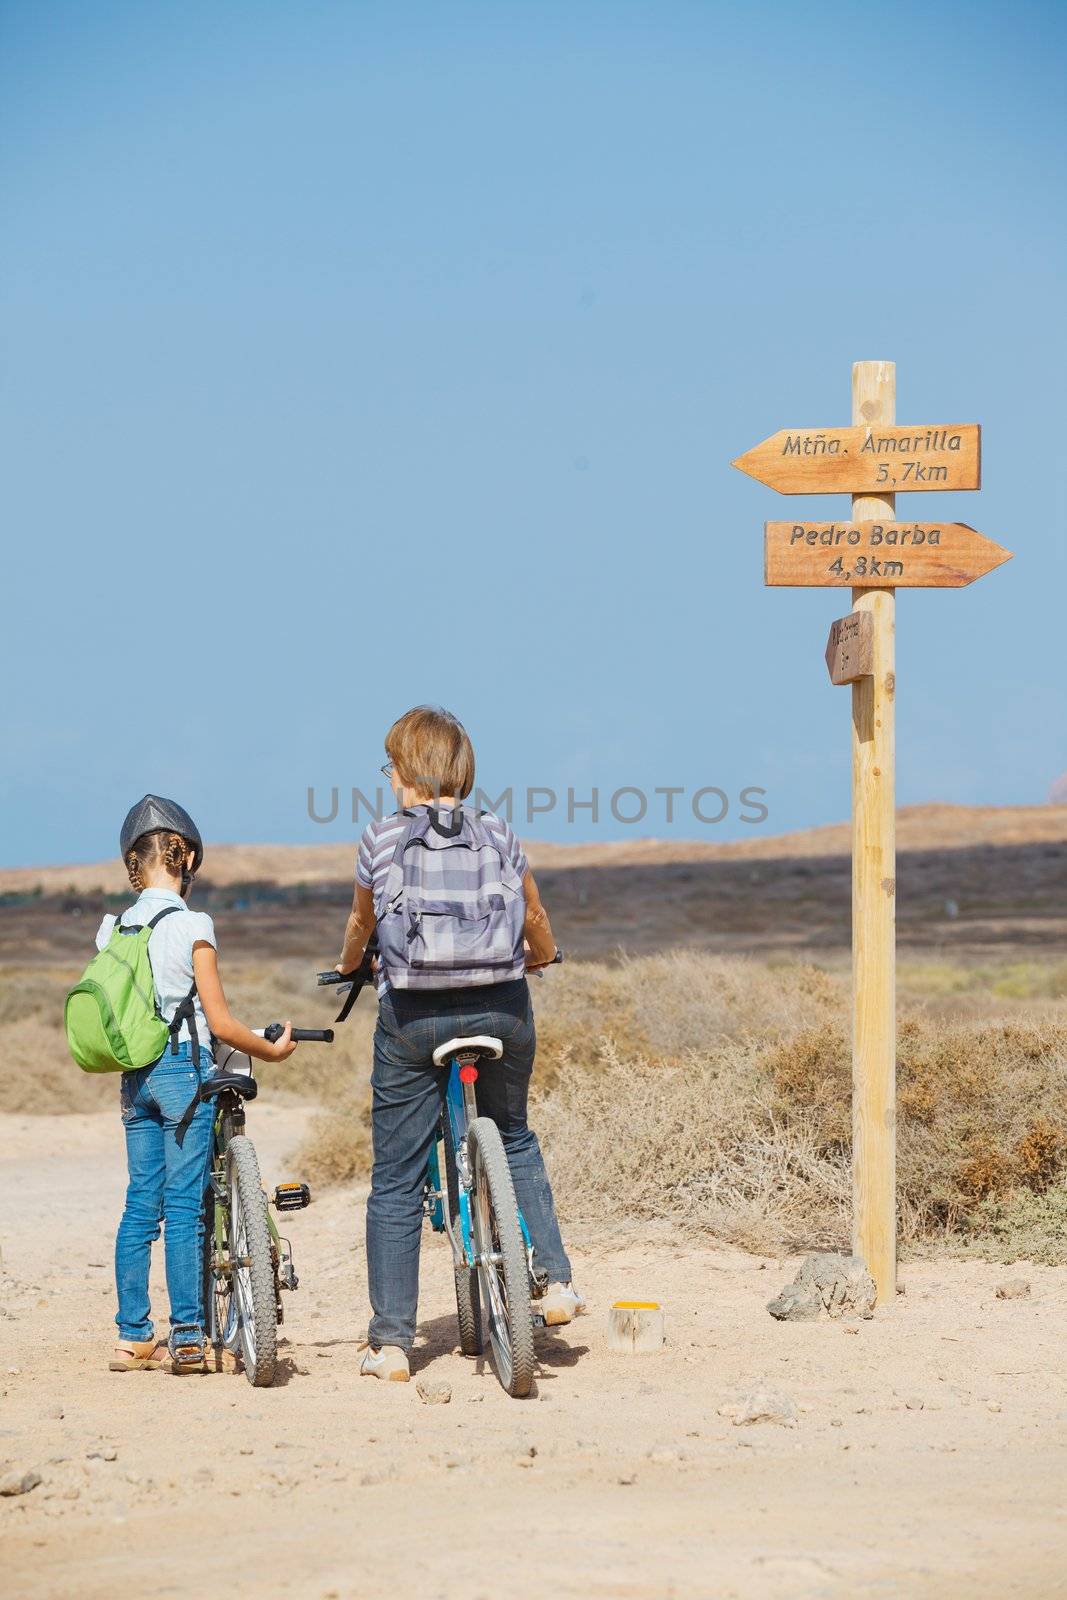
{"x": 635, "y": 1327}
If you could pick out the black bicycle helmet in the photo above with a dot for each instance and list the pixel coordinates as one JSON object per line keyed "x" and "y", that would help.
{"x": 154, "y": 814}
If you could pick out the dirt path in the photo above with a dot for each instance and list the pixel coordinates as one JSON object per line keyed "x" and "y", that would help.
{"x": 930, "y": 1458}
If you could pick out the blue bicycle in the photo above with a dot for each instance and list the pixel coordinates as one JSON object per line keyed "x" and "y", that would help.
{"x": 492, "y": 1254}
{"x": 476, "y": 1207}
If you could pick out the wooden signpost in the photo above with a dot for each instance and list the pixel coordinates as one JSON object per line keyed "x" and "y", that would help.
{"x": 872, "y": 554}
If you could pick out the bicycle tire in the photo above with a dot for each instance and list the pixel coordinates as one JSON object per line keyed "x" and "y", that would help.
{"x": 505, "y": 1286}
{"x": 468, "y": 1298}
{"x": 220, "y": 1309}
{"x": 257, "y": 1306}
{"x": 207, "y": 1287}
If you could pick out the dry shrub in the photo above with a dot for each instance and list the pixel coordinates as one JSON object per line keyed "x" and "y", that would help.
{"x": 38, "y": 1075}
{"x": 694, "y": 1091}
{"x": 752, "y": 1139}
{"x": 665, "y": 1007}
{"x": 700, "y": 1145}
{"x": 337, "y": 1147}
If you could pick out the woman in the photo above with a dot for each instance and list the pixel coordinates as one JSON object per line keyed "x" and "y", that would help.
{"x": 431, "y": 771}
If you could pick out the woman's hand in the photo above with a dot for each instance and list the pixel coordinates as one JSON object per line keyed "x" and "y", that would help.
{"x": 282, "y": 1047}
{"x": 531, "y": 964}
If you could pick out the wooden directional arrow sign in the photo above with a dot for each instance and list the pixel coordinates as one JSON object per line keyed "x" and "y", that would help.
{"x": 884, "y": 555}
{"x": 868, "y": 458}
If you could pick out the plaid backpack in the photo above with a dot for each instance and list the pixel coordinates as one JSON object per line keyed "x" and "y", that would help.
{"x": 452, "y": 909}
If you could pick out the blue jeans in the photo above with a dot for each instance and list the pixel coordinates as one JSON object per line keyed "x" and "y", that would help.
{"x": 167, "y": 1184}
{"x": 408, "y": 1094}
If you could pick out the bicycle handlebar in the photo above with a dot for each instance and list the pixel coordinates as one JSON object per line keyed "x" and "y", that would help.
{"x": 299, "y": 1035}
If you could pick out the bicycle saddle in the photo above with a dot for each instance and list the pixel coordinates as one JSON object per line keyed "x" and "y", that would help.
{"x": 479, "y": 1044}
{"x": 219, "y": 1082}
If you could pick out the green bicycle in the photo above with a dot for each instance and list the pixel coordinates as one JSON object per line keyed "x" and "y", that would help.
{"x": 247, "y": 1262}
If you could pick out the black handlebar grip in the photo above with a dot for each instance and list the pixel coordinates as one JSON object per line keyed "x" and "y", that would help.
{"x": 557, "y": 957}
{"x": 299, "y": 1035}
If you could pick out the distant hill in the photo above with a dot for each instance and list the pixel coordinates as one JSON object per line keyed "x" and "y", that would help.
{"x": 919, "y": 828}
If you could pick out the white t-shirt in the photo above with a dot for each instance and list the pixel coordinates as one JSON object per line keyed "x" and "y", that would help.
{"x": 170, "y": 950}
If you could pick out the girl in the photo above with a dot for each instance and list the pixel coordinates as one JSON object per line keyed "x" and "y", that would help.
{"x": 162, "y": 850}
{"x": 431, "y": 767}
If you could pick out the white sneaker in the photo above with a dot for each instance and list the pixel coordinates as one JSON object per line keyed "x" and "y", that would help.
{"x": 560, "y": 1304}
{"x": 390, "y": 1362}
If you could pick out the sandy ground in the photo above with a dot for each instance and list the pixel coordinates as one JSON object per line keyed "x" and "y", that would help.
{"x": 930, "y": 1456}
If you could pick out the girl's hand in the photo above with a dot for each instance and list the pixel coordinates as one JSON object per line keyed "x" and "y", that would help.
{"x": 283, "y": 1046}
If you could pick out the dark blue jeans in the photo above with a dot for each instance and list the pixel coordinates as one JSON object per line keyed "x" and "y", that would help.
{"x": 408, "y": 1096}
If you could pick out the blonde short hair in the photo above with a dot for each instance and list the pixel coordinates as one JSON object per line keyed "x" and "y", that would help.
{"x": 432, "y": 752}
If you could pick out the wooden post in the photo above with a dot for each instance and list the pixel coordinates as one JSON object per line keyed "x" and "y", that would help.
{"x": 874, "y": 888}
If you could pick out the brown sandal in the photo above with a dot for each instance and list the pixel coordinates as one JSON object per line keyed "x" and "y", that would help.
{"x": 133, "y": 1355}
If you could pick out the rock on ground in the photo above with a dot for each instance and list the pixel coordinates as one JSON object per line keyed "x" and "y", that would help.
{"x": 763, "y": 1404}
{"x": 826, "y": 1283}
{"x": 1013, "y": 1289}
{"x": 433, "y": 1394}
{"x": 19, "y": 1482}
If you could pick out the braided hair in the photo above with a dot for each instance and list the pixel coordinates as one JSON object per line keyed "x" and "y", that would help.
{"x": 158, "y": 849}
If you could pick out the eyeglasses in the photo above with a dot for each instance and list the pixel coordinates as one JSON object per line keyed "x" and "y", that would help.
{"x": 387, "y": 769}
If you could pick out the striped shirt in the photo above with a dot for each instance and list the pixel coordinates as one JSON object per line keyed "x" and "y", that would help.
{"x": 378, "y": 846}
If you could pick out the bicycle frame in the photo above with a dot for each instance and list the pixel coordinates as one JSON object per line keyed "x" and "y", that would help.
{"x": 460, "y": 1109}
{"x": 229, "y": 1122}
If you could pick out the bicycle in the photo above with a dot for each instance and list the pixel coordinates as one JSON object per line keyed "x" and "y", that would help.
{"x": 476, "y": 1208}
{"x": 247, "y": 1262}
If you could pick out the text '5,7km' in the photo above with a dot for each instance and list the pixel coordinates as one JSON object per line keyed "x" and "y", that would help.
{"x": 864, "y": 459}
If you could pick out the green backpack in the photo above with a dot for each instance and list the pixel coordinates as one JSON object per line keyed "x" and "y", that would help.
{"x": 112, "y": 1015}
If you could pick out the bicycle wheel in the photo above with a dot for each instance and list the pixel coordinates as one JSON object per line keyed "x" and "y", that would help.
{"x": 252, "y": 1264}
{"x": 468, "y": 1300}
{"x": 220, "y": 1302}
{"x": 503, "y": 1275}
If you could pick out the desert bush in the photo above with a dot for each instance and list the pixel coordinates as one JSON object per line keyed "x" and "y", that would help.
{"x": 38, "y": 1075}
{"x": 753, "y": 1141}
{"x": 665, "y": 1007}
{"x": 690, "y": 1091}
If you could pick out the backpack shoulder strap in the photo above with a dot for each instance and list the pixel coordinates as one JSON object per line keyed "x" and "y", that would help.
{"x": 164, "y": 913}
{"x": 184, "y": 1012}
{"x": 413, "y": 824}
{"x": 487, "y": 837}
{"x": 136, "y": 927}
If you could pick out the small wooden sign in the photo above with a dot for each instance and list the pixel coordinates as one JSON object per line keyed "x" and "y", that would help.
{"x": 850, "y": 647}
{"x": 884, "y": 555}
{"x": 867, "y": 459}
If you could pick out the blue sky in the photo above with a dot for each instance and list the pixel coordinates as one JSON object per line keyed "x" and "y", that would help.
{"x": 356, "y": 355}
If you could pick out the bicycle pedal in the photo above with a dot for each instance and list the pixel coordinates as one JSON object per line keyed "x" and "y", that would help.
{"x": 291, "y": 1197}
{"x": 187, "y": 1355}
{"x": 287, "y": 1277}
